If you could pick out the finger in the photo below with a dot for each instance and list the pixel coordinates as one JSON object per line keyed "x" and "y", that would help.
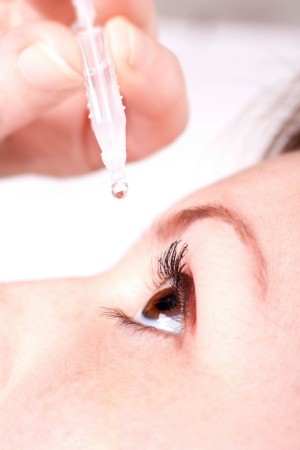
{"x": 152, "y": 84}
{"x": 139, "y": 12}
{"x": 60, "y": 11}
{"x": 40, "y": 66}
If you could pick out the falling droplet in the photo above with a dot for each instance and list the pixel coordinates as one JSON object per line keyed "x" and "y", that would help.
{"x": 119, "y": 189}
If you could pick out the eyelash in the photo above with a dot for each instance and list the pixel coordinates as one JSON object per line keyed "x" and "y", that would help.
{"x": 168, "y": 268}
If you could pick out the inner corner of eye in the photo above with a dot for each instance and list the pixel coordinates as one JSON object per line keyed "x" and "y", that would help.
{"x": 163, "y": 312}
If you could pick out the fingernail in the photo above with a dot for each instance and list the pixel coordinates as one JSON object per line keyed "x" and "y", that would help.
{"x": 44, "y": 68}
{"x": 129, "y": 43}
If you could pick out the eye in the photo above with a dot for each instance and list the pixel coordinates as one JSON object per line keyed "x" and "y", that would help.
{"x": 170, "y": 308}
{"x": 164, "y": 311}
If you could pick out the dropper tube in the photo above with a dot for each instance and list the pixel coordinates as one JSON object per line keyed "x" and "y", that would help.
{"x": 104, "y": 100}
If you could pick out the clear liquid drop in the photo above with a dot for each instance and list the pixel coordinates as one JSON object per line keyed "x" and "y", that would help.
{"x": 119, "y": 189}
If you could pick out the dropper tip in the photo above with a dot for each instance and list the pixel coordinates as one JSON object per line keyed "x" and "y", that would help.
{"x": 119, "y": 189}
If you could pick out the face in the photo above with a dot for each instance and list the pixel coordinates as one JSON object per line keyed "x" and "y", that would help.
{"x": 192, "y": 341}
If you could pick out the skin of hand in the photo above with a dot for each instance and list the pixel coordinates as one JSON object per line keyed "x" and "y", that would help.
{"x": 72, "y": 378}
{"x": 44, "y": 126}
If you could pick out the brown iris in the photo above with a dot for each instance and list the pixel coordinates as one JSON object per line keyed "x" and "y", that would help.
{"x": 163, "y": 302}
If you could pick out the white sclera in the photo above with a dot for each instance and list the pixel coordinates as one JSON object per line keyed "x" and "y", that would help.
{"x": 169, "y": 324}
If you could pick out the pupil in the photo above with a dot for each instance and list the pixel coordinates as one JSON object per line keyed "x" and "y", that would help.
{"x": 167, "y": 303}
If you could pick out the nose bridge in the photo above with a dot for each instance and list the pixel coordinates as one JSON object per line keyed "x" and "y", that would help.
{"x": 66, "y": 330}
{"x": 85, "y": 319}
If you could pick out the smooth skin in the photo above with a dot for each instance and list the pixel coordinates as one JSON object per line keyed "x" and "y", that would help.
{"x": 44, "y": 126}
{"x": 74, "y": 379}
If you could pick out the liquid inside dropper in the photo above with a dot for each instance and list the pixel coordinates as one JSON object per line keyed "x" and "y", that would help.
{"x": 119, "y": 189}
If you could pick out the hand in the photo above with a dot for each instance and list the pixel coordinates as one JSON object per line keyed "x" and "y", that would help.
{"x": 44, "y": 126}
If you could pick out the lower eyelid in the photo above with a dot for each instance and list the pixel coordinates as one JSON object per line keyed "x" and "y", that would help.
{"x": 122, "y": 320}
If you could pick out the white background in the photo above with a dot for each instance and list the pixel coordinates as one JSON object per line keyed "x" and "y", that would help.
{"x": 54, "y": 228}
{"x": 277, "y": 11}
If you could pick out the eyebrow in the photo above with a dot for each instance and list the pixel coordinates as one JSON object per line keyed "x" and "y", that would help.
{"x": 179, "y": 221}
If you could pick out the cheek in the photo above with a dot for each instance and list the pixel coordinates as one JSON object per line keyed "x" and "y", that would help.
{"x": 154, "y": 397}
{"x": 54, "y": 401}
{"x": 104, "y": 390}
{"x": 92, "y": 392}
{"x": 151, "y": 397}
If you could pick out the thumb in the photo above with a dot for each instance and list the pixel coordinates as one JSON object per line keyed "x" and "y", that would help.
{"x": 40, "y": 66}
